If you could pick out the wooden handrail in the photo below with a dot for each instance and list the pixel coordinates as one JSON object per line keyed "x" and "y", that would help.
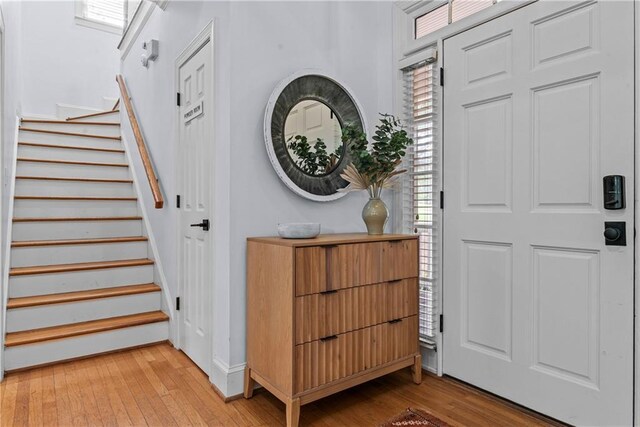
{"x": 142, "y": 147}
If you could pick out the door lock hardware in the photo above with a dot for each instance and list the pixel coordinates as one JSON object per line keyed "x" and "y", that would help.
{"x": 615, "y": 233}
{"x": 613, "y": 192}
{"x": 204, "y": 224}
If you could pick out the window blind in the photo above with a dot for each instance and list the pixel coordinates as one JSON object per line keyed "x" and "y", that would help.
{"x": 420, "y": 206}
{"x": 110, "y": 12}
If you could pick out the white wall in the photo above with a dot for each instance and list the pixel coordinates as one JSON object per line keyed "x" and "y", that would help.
{"x": 256, "y": 45}
{"x": 11, "y": 107}
{"x": 64, "y": 62}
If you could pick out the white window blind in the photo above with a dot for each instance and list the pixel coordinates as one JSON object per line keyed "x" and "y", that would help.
{"x": 420, "y": 203}
{"x": 452, "y": 11}
{"x": 107, "y": 12}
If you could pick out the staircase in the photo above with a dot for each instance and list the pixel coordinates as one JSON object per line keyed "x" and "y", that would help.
{"x": 81, "y": 280}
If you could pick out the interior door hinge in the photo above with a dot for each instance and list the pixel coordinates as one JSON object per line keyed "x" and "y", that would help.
{"x": 178, "y": 201}
{"x": 442, "y": 200}
{"x": 178, "y": 305}
{"x": 441, "y": 76}
{"x": 178, "y": 99}
{"x": 441, "y": 323}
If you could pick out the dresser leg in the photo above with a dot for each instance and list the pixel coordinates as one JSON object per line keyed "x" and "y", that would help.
{"x": 293, "y": 412}
{"x": 249, "y": 383}
{"x": 416, "y": 369}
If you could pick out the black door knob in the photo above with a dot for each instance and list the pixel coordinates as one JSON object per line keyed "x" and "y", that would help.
{"x": 611, "y": 234}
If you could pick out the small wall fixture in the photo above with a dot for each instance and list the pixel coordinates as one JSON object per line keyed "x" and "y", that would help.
{"x": 151, "y": 48}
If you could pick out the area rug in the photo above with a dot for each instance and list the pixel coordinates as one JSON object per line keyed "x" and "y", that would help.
{"x": 414, "y": 417}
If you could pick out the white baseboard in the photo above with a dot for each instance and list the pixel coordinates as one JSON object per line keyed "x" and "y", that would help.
{"x": 229, "y": 380}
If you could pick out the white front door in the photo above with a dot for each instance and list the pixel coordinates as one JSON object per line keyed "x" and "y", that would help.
{"x": 538, "y": 108}
{"x": 196, "y": 251}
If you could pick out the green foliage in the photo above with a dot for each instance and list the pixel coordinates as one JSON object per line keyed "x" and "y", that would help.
{"x": 377, "y": 162}
{"x": 313, "y": 160}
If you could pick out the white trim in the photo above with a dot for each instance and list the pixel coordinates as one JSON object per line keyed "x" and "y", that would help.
{"x": 155, "y": 255}
{"x": 199, "y": 42}
{"x": 269, "y": 142}
{"x": 7, "y": 247}
{"x": 636, "y": 343}
{"x": 229, "y": 380}
{"x": 162, "y": 4}
{"x": 135, "y": 26}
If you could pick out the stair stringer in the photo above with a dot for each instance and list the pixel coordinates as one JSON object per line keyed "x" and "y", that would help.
{"x": 6, "y": 262}
{"x": 153, "y": 253}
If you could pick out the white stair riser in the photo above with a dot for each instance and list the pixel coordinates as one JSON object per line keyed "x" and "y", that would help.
{"x": 55, "y": 283}
{"x": 111, "y": 117}
{"x": 49, "y": 153}
{"x": 70, "y": 254}
{"x": 75, "y": 229}
{"x": 74, "y": 208}
{"x": 82, "y": 141}
{"x": 34, "y": 187}
{"x": 106, "y": 130}
{"x": 51, "y": 351}
{"x": 63, "y": 111}
{"x": 22, "y": 319}
{"x": 61, "y": 170}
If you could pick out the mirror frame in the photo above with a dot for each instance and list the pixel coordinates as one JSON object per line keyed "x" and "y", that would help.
{"x": 322, "y": 87}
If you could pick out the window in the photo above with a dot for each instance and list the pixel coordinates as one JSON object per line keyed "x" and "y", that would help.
{"x": 432, "y": 21}
{"x": 452, "y": 11}
{"x": 419, "y": 190}
{"x": 107, "y": 15}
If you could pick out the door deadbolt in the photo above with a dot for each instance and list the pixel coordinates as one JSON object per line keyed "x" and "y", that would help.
{"x": 615, "y": 233}
{"x": 204, "y": 224}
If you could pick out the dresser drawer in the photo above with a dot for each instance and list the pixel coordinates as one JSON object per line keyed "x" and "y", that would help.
{"x": 399, "y": 259}
{"x": 325, "y": 268}
{"x": 321, "y": 315}
{"x": 323, "y": 361}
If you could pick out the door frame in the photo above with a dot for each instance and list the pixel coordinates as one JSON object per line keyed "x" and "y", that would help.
{"x": 204, "y": 37}
{"x": 408, "y": 51}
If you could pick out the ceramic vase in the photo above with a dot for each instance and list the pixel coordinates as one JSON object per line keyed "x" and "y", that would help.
{"x": 375, "y": 215}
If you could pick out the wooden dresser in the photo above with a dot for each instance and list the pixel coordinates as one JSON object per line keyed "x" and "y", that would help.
{"x": 329, "y": 313}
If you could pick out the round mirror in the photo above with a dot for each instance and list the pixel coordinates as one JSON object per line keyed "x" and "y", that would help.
{"x": 314, "y": 137}
{"x": 303, "y": 134}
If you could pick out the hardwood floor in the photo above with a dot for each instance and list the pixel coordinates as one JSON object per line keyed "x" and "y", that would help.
{"x": 160, "y": 386}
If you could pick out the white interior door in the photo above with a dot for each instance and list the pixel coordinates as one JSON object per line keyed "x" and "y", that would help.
{"x": 314, "y": 120}
{"x": 538, "y": 108}
{"x": 196, "y": 252}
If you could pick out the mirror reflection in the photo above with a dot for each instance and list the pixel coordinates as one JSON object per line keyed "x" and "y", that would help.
{"x": 313, "y": 137}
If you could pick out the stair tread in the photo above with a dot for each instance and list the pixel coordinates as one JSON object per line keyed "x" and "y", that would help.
{"x": 38, "y": 300}
{"x": 88, "y": 198}
{"x": 83, "y": 328}
{"x": 71, "y": 147}
{"x": 56, "y": 178}
{"x": 62, "y": 242}
{"x": 62, "y": 219}
{"x": 56, "y": 132}
{"x": 81, "y": 266}
{"x": 71, "y": 162}
{"x": 66, "y": 122}
{"x": 84, "y": 116}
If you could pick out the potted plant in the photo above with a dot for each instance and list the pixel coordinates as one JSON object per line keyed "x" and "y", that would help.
{"x": 375, "y": 166}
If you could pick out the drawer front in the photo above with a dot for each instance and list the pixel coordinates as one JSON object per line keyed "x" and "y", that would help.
{"x": 323, "y": 361}
{"x": 399, "y": 259}
{"x": 321, "y": 315}
{"x": 325, "y": 268}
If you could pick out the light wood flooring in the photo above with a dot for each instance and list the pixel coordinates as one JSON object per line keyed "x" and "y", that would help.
{"x": 160, "y": 386}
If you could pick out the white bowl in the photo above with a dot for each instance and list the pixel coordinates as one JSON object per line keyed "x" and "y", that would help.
{"x": 299, "y": 230}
